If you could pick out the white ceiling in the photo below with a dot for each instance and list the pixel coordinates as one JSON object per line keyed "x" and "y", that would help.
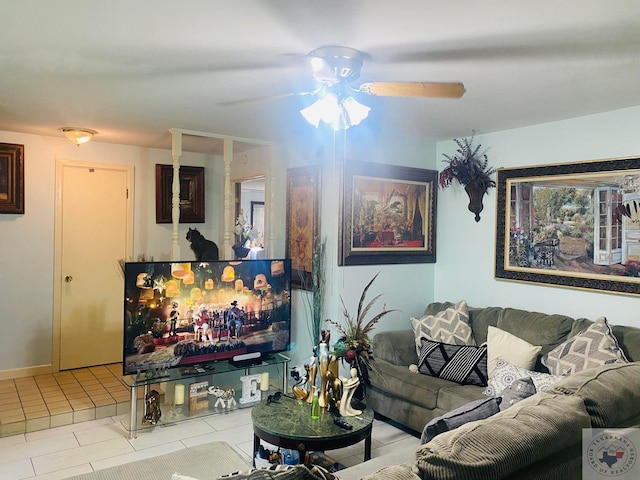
{"x": 134, "y": 69}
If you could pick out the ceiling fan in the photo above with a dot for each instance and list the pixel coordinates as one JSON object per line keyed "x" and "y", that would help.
{"x": 337, "y": 66}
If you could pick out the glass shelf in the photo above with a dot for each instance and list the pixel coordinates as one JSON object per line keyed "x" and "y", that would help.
{"x": 224, "y": 373}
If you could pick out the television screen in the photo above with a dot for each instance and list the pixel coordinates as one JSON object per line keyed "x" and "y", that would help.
{"x": 185, "y": 313}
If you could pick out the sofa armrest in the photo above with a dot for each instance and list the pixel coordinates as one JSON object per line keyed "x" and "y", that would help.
{"x": 396, "y": 347}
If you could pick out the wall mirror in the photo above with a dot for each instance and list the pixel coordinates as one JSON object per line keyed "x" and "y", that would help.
{"x": 250, "y": 208}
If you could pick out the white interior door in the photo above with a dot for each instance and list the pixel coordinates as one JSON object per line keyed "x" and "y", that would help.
{"x": 95, "y": 232}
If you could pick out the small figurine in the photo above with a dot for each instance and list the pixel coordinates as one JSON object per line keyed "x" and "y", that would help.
{"x": 226, "y": 396}
{"x": 349, "y": 386}
{"x": 152, "y": 411}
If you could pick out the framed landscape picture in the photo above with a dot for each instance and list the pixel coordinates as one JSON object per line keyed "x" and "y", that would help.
{"x": 388, "y": 214}
{"x": 571, "y": 225}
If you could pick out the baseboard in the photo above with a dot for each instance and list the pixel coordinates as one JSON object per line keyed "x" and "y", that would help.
{"x": 26, "y": 372}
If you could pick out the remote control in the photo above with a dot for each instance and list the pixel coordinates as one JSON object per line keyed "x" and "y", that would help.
{"x": 342, "y": 424}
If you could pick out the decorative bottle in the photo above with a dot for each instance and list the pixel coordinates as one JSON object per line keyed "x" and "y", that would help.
{"x": 323, "y": 362}
{"x": 315, "y": 405}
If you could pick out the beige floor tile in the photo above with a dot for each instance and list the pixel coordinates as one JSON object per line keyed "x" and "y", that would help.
{"x": 9, "y": 395}
{"x": 81, "y": 455}
{"x": 82, "y": 415}
{"x": 14, "y": 412}
{"x": 105, "y": 410}
{"x": 32, "y": 414}
{"x": 62, "y": 404}
{"x": 38, "y": 423}
{"x": 17, "y": 470}
{"x": 39, "y": 447}
{"x": 30, "y": 404}
{"x": 60, "y": 409}
{"x": 13, "y": 428}
{"x": 59, "y": 419}
{"x": 123, "y": 408}
{"x": 138, "y": 455}
{"x": 52, "y": 399}
{"x": 31, "y": 396}
{"x": 8, "y": 407}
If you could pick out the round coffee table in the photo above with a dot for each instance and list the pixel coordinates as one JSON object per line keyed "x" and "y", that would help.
{"x": 287, "y": 423}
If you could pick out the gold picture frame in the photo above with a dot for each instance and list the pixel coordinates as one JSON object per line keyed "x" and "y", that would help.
{"x": 303, "y": 222}
{"x": 11, "y": 178}
{"x": 573, "y": 225}
{"x": 191, "y": 194}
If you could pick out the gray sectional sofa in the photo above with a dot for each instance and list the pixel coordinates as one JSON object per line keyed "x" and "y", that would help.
{"x": 413, "y": 400}
{"x": 539, "y": 437}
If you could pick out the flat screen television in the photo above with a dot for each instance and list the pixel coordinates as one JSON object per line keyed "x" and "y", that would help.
{"x": 181, "y": 314}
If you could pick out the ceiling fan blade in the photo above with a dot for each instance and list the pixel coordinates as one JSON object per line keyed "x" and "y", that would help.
{"x": 229, "y": 103}
{"x": 413, "y": 89}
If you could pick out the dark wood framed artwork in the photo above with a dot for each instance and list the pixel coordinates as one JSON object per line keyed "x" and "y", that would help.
{"x": 11, "y": 178}
{"x": 388, "y": 214}
{"x": 191, "y": 194}
{"x": 303, "y": 222}
{"x": 573, "y": 225}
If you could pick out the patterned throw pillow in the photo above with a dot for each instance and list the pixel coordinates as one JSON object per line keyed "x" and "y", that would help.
{"x": 518, "y": 390}
{"x": 463, "y": 364}
{"x": 283, "y": 472}
{"x": 506, "y": 373}
{"x": 470, "y": 412}
{"x": 596, "y": 346}
{"x": 448, "y": 326}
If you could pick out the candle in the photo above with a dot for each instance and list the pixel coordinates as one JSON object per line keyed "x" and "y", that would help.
{"x": 264, "y": 382}
{"x": 178, "y": 394}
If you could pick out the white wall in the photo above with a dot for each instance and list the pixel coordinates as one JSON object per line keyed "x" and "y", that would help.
{"x": 466, "y": 249}
{"x": 26, "y": 241}
{"x": 407, "y": 288}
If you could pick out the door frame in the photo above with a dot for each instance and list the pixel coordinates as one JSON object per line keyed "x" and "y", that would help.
{"x": 61, "y": 164}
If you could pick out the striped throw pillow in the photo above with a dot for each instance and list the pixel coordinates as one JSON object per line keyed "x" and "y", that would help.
{"x": 463, "y": 364}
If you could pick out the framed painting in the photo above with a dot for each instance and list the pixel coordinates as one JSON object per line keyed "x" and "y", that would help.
{"x": 11, "y": 178}
{"x": 571, "y": 225}
{"x": 303, "y": 222}
{"x": 191, "y": 194}
{"x": 388, "y": 214}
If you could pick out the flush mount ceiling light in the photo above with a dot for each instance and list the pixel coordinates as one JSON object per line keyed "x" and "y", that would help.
{"x": 78, "y": 135}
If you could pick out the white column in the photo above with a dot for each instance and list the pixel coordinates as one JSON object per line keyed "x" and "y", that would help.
{"x": 271, "y": 190}
{"x": 176, "y": 153}
{"x": 229, "y": 219}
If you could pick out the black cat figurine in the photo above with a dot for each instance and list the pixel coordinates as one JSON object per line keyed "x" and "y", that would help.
{"x": 205, "y": 250}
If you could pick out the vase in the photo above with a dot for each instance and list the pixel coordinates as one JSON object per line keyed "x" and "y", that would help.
{"x": 240, "y": 251}
{"x": 475, "y": 191}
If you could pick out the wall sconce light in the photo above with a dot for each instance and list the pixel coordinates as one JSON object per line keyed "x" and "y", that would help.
{"x": 339, "y": 113}
{"x": 78, "y": 135}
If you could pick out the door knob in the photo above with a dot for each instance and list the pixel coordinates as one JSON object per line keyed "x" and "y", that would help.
{"x": 68, "y": 278}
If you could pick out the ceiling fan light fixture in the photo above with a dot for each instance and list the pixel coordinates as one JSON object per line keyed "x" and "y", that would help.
{"x": 355, "y": 110}
{"x": 78, "y": 135}
{"x": 340, "y": 114}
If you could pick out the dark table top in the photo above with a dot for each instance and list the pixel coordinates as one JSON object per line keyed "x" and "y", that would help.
{"x": 290, "y": 418}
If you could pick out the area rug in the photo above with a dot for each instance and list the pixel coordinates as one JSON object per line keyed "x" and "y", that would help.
{"x": 203, "y": 462}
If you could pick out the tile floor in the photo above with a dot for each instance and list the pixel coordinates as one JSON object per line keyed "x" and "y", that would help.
{"x": 31, "y": 404}
{"x": 62, "y": 430}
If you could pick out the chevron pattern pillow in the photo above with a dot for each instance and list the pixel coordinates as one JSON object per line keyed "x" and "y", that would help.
{"x": 595, "y": 346}
{"x": 448, "y": 326}
{"x": 463, "y": 364}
